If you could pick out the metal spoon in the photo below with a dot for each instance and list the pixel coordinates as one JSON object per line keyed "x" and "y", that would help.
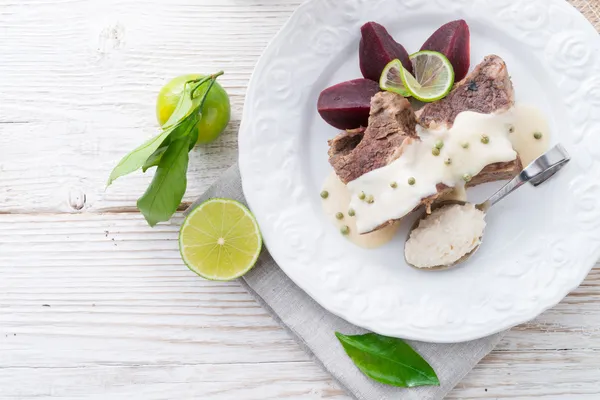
{"x": 536, "y": 173}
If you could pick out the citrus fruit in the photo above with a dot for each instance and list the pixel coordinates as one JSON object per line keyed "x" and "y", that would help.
{"x": 433, "y": 76}
{"x": 391, "y": 80}
{"x": 215, "y": 112}
{"x": 220, "y": 240}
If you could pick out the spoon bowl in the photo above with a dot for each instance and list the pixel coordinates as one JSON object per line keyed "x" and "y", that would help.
{"x": 424, "y": 215}
{"x": 536, "y": 173}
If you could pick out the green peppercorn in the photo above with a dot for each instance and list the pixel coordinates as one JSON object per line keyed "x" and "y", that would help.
{"x": 435, "y": 151}
{"x": 345, "y": 230}
{"x": 370, "y": 199}
{"x": 465, "y": 145}
{"x": 485, "y": 139}
{"x": 351, "y": 212}
{"x": 393, "y": 185}
{"x": 411, "y": 181}
{"x": 537, "y": 135}
{"x": 467, "y": 177}
{"x": 362, "y": 195}
{"x": 439, "y": 144}
{"x": 448, "y": 161}
{"x": 339, "y": 215}
{"x": 324, "y": 194}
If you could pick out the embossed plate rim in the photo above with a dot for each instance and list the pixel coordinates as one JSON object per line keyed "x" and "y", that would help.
{"x": 266, "y": 200}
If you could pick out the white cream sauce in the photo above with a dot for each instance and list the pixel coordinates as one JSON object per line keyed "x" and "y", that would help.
{"x": 527, "y": 121}
{"x": 505, "y": 132}
{"x": 428, "y": 170}
{"x": 338, "y": 201}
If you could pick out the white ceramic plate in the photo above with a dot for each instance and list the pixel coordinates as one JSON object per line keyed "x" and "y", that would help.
{"x": 540, "y": 242}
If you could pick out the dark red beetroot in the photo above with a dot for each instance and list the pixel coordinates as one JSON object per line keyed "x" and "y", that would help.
{"x": 454, "y": 41}
{"x": 347, "y": 104}
{"x": 377, "y": 48}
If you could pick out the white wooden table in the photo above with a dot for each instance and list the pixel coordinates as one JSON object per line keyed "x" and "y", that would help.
{"x": 96, "y": 305}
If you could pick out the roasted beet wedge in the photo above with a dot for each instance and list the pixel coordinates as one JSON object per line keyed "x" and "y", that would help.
{"x": 454, "y": 41}
{"x": 347, "y": 104}
{"x": 377, "y": 49}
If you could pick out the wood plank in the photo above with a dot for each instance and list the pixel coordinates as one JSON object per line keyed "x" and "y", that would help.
{"x": 501, "y": 379}
{"x": 74, "y": 282}
{"x": 78, "y": 84}
{"x": 215, "y": 382}
{"x": 568, "y": 374}
{"x": 96, "y": 306}
{"x": 101, "y": 294}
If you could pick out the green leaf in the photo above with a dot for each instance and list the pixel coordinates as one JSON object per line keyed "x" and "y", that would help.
{"x": 164, "y": 194}
{"x": 136, "y": 159}
{"x": 195, "y": 133}
{"x": 186, "y": 128}
{"x": 388, "y": 360}
{"x": 148, "y": 155}
{"x": 154, "y": 158}
{"x": 169, "y": 152}
{"x": 187, "y": 104}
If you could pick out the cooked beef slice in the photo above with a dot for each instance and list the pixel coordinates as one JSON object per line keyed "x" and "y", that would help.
{"x": 485, "y": 90}
{"x": 356, "y": 152}
{"x": 392, "y": 125}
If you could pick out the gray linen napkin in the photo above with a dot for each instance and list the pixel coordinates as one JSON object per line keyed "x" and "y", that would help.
{"x": 313, "y": 327}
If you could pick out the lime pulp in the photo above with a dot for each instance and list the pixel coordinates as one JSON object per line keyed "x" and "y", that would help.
{"x": 391, "y": 79}
{"x": 220, "y": 240}
{"x": 433, "y": 78}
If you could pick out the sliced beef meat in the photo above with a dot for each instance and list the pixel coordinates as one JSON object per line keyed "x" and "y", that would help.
{"x": 486, "y": 90}
{"x": 391, "y": 123}
{"x": 392, "y": 126}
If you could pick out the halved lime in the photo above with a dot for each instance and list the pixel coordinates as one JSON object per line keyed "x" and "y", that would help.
{"x": 220, "y": 240}
{"x": 391, "y": 80}
{"x": 433, "y": 79}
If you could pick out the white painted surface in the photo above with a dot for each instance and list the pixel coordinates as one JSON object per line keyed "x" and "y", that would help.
{"x": 126, "y": 319}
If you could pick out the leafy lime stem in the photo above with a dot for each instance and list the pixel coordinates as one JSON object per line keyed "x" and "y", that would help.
{"x": 210, "y": 85}
{"x": 198, "y": 82}
{"x": 202, "y": 81}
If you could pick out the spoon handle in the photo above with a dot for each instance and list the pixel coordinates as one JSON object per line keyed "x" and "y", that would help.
{"x": 538, "y": 172}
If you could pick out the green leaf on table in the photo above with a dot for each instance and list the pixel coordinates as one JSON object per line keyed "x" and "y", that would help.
{"x": 136, "y": 159}
{"x": 195, "y": 133}
{"x": 164, "y": 194}
{"x": 388, "y": 360}
{"x": 169, "y": 152}
{"x": 155, "y": 157}
{"x": 187, "y": 127}
{"x": 148, "y": 155}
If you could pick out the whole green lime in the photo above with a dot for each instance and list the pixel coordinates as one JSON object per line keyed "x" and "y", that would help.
{"x": 216, "y": 111}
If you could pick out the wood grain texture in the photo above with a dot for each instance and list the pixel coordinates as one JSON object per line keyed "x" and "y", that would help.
{"x": 271, "y": 381}
{"x": 96, "y": 305}
{"x": 78, "y": 91}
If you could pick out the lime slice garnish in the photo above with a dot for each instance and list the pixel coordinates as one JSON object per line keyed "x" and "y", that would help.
{"x": 433, "y": 79}
{"x": 391, "y": 80}
{"x": 220, "y": 240}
